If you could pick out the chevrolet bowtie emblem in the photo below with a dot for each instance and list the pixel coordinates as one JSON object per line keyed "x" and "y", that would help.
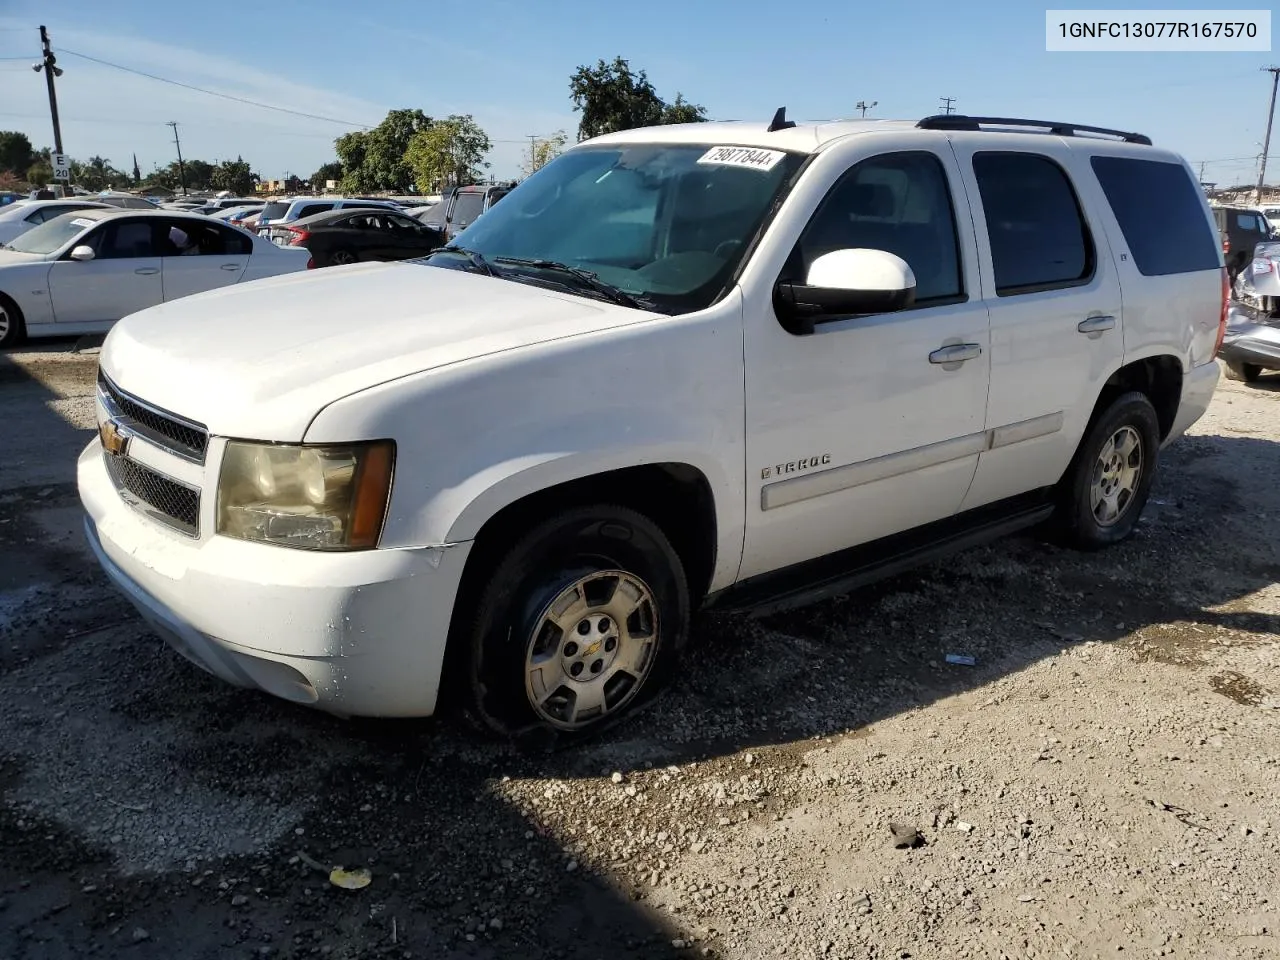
{"x": 115, "y": 438}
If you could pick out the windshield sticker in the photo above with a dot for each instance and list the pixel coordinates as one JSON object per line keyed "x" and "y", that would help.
{"x": 81, "y": 222}
{"x": 742, "y": 157}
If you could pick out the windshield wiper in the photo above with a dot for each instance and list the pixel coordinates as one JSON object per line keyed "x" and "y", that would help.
{"x": 584, "y": 277}
{"x": 476, "y": 259}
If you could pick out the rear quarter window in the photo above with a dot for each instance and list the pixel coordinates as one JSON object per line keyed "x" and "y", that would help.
{"x": 1160, "y": 210}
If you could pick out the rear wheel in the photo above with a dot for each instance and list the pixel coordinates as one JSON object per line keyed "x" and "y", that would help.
{"x": 12, "y": 329}
{"x": 1246, "y": 372}
{"x": 1105, "y": 488}
{"x": 579, "y": 625}
{"x": 339, "y": 258}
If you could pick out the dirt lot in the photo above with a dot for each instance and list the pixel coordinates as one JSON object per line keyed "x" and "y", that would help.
{"x": 1102, "y": 783}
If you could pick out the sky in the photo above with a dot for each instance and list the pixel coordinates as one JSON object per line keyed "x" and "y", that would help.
{"x": 508, "y": 63}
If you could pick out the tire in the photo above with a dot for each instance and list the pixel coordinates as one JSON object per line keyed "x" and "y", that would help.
{"x": 1244, "y": 372}
{"x": 522, "y": 652}
{"x": 1101, "y": 470}
{"x": 341, "y": 257}
{"x": 12, "y": 328}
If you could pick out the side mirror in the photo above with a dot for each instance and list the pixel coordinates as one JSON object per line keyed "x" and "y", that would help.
{"x": 83, "y": 252}
{"x": 845, "y": 283}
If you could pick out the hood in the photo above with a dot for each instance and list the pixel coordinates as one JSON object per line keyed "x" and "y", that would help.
{"x": 259, "y": 360}
{"x": 10, "y": 257}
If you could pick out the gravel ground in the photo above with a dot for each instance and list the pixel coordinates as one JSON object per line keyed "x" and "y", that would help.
{"x": 1102, "y": 783}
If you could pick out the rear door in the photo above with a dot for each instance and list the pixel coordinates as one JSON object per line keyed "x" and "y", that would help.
{"x": 217, "y": 257}
{"x": 123, "y": 277}
{"x": 1049, "y": 279}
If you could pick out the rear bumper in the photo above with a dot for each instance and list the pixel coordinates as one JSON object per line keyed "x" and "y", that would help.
{"x": 1264, "y": 353}
{"x": 1197, "y": 391}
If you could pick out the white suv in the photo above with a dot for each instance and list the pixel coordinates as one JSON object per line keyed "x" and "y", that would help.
{"x": 700, "y": 364}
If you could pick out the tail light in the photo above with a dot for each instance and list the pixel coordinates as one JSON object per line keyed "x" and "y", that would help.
{"x": 1226, "y": 245}
{"x": 1222, "y": 317}
{"x": 311, "y": 263}
{"x": 300, "y": 236}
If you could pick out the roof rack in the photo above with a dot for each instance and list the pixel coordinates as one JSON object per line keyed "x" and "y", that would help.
{"x": 958, "y": 121}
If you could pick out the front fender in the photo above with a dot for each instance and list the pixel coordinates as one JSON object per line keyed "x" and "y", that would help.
{"x": 476, "y": 436}
{"x": 28, "y": 287}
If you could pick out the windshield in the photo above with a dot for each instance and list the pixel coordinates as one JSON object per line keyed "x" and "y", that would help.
{"x": 273, "y": 211}
{"x": 666, "y": 224}
{"x": 51, "y": 234}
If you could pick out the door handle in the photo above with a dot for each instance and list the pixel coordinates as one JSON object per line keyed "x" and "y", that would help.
{"x": 956, "y": 353}
{"x": 1096, "y": 324}
{"x": 231, "y": 266}
{"x": 147, "y": 271}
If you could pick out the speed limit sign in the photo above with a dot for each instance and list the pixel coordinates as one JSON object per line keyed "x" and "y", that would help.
{"x": 61, "y": 167}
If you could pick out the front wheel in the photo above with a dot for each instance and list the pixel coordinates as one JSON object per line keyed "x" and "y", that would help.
{"x": 1105, "y": 488}
{"x": 579, "y": 625}
{"x": 11, "y": 326}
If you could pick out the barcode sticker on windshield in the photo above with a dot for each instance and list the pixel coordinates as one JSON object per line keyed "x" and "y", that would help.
{"x": 82, "y": 222}
{"x": 742, "y": 157}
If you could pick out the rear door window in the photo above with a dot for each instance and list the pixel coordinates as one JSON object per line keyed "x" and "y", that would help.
{"x": 1161, "y": 214}
{"x": 1039, "y": 239}
{"x": 308, "y": 209}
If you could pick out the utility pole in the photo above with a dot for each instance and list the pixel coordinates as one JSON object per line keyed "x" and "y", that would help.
{"x": 1266, "y": 141}
{"x": 51, "y": 70}
{"x": 533, "y": 153}
{"x": 864, "y": 106}
{"x": 182, "y": 171}
{"x": 948, "y": 101}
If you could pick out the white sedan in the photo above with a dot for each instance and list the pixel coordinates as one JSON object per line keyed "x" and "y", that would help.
{"x": 81, "y": 272}
{"x": 20, "y": 217}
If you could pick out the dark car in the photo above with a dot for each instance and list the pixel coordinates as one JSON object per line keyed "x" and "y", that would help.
{"x": 336, "y": 237}
{"x": 459, "y": 207}
{"x": 1241, "y": 229}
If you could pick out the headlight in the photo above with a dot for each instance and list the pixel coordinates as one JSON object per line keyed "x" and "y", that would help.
{"x": 314, "y": 497}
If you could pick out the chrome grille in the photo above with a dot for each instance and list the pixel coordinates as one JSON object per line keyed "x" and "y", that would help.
{"x": 182, "y": 437}
{"x": 164, "y": 500}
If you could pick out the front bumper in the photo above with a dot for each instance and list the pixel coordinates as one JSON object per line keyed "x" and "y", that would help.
{"x": 355, "y": 634}
{"x": 1197, "y": 391}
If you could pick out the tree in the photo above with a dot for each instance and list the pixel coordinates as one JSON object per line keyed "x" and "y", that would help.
{"x": 613, "y": 98}
{"x": 542, "y": 152}
{"x": 199, "y": 174}
{"x": 375, "y": 159}
{"x": 16, "y": 154}
{"x": 328, "y": 171}
{"x": 351, "y": 149}
{"x": 681, "y": 110}
{"x": 234, "y": 175}
{"x": 97, "y": 174}
{"x": 450, "y": 151}
{"x": 40, "y": 173}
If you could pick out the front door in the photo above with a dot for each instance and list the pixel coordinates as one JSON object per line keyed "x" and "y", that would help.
{"x": 123, "y": 277}
{"x": 862, "y": 428}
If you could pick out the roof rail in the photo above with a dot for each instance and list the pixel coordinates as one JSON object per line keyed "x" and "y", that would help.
{"x": 958, "y": 121}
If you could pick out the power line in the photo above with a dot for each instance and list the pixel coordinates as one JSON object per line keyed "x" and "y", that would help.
{"x": 214, "y": 93}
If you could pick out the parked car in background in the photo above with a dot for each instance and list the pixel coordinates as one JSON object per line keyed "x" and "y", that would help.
{"x": 1272, "y": 213}
{"x": 1251, "y": 344}
{"x": 125, "y": 200}
{"x": 81, "y": 272}
{"x": 513, "y": 472}
{"x": 1241, "y": 229}
{"x": 228, "y": 214}
{"x": 8, "y": 196}
{"x": 339, "y": 237}
{"x": 227, "y": 203}
{"x": 459, "y": 208}
{"x": 281, "y": 212}
{"x": 17, "y": 219}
